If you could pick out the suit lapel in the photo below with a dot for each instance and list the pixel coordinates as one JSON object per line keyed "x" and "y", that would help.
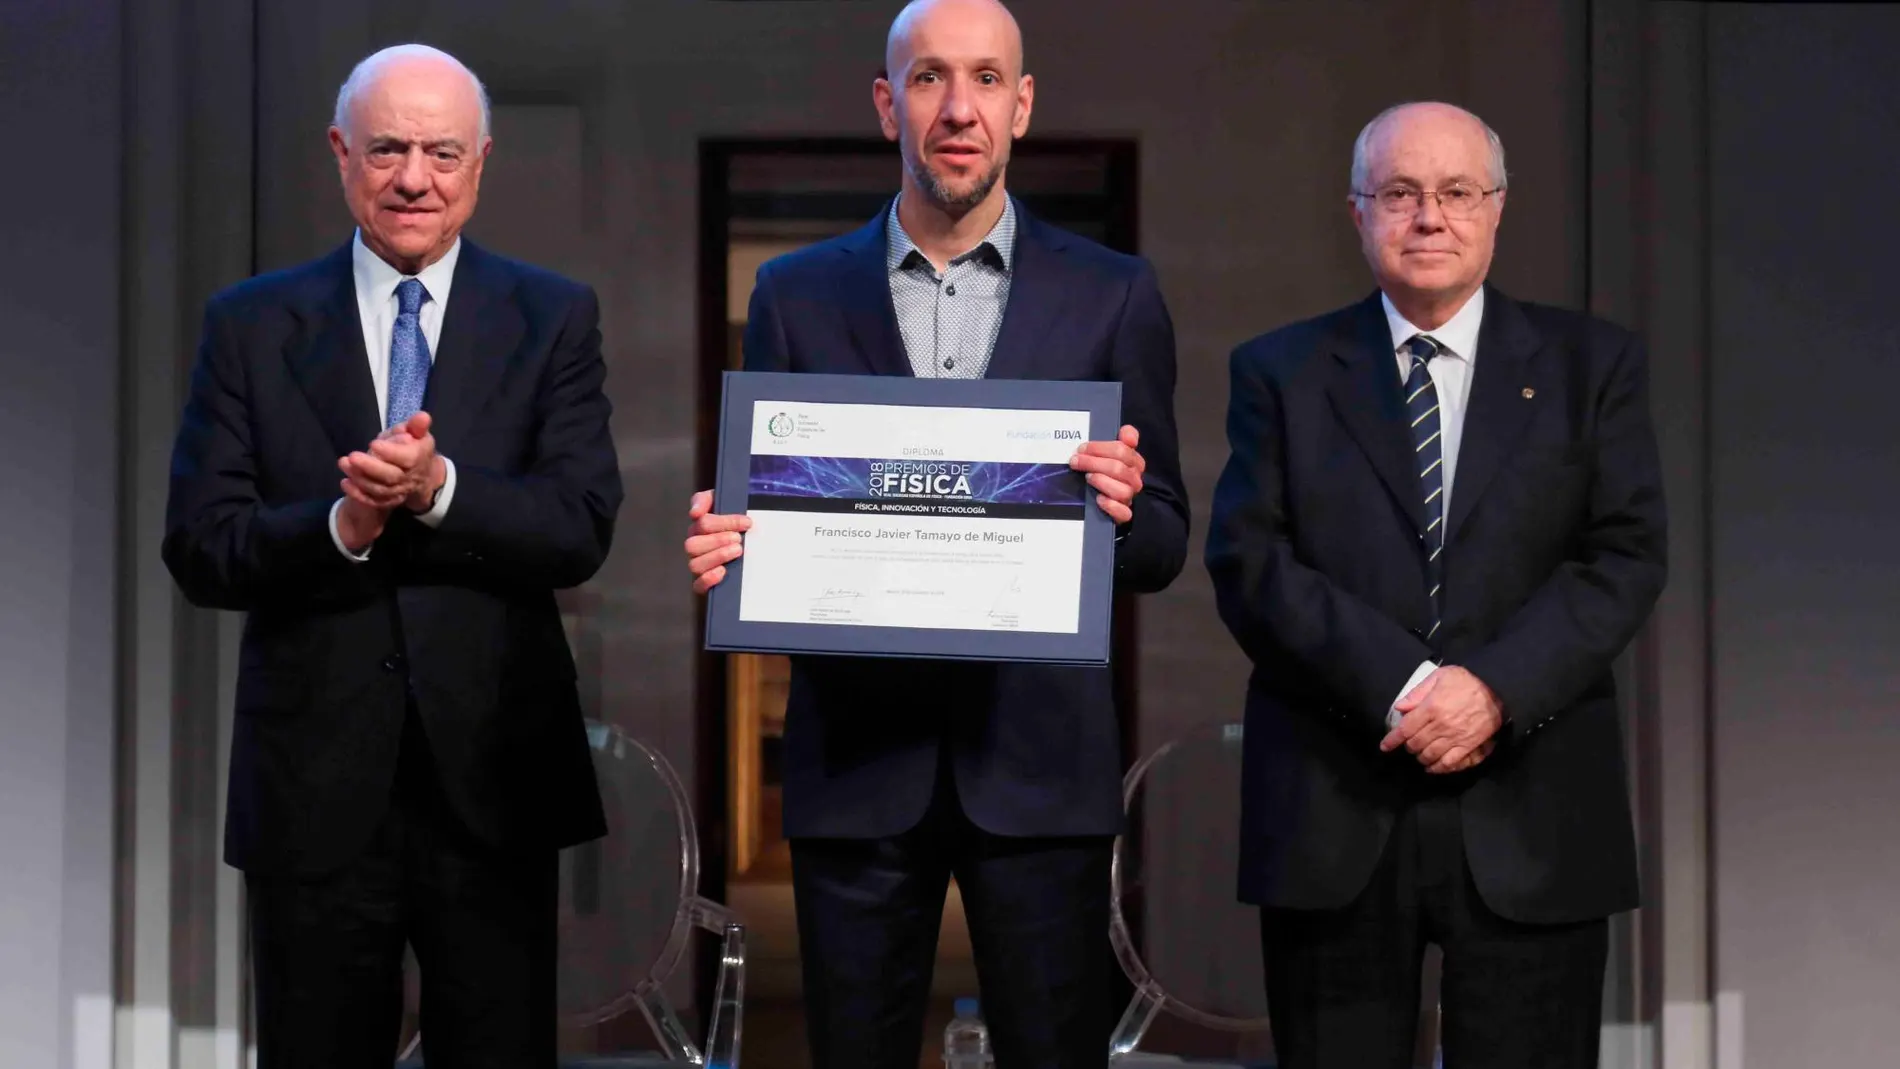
{"x": 328, "y": 361}
{"x": 1366, "y": 393}
{"x": 1034, "y": 299}
{"x": 1499, "y": 406}
{"x": 481, "y": 329}
{"x": 864, "y": 296}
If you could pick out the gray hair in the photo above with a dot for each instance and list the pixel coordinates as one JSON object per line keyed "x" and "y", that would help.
{"x": 366, "y": 71}
{"x": 1499, "y": 177}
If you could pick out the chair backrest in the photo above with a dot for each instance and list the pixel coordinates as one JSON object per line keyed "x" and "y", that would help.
{"x": 1182, "y": 936}
{"x": 628, "y": 908}
{"x": 624, "y": 917}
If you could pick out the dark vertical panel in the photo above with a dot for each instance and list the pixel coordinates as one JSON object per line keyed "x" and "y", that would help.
{"x": 710, "y": 737}
{"x": 1806, "y": 449}
{"x": 61, "y": 106}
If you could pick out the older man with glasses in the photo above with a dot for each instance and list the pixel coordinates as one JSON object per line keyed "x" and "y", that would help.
{"x": 1441, "y": 521}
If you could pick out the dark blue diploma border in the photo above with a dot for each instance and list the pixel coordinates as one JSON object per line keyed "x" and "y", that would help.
{"x": 742, "y": 389}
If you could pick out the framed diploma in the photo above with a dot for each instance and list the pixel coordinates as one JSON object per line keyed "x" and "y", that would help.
{"x": 914, "y": 518}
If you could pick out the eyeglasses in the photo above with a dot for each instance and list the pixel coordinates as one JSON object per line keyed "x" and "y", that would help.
{"x": 1460, "y": 200}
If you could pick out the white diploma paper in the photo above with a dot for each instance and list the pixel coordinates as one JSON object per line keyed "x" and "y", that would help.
{"x": 914, "y": 517}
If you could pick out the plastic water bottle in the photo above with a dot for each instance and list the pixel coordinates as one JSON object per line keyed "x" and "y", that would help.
{"x": 966, "y": 1043}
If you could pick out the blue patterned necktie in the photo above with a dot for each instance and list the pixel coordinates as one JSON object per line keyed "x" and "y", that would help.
{"x": 1421, "y": 408}
{"x": 408, "y": 354}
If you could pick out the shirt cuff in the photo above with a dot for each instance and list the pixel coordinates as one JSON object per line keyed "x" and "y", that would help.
{"x": 338, "y": 538}
{"x": 433, "y": 517}
{"x": 1393, "y": 716}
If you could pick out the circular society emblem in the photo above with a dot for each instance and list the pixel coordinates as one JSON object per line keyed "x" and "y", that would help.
{"x": 780, "y": 426}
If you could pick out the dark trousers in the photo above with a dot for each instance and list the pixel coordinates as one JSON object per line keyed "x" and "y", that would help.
{"x": 327, "y": 951}
{"x": 1343, "y": 985}
{"x": 868, "y": 915}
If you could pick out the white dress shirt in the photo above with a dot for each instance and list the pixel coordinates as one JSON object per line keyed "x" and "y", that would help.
{"x": 1451, "y": 375}
{"x": 376, "y": 306}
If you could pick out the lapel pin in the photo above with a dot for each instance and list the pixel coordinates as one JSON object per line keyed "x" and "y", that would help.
{"x": 1529, "y": 393}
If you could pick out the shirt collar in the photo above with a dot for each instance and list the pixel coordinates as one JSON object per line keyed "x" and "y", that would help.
{"x": 1001, "y": 239}
{"x": 1458, "y": 337}
{"x": 377, "y": 281}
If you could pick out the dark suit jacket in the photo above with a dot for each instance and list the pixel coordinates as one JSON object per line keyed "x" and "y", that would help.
{"x": 1553, "y": 559}
{"x": 1035, "y": 748}
{"x": 461, "y": 617}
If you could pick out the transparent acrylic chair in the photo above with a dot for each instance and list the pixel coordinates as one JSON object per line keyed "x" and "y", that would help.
{"x": 1174, "y": 878}
{"x": 628, "y": 910}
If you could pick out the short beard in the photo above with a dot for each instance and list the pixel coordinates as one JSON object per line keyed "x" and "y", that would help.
{"x": 940, "y": 194}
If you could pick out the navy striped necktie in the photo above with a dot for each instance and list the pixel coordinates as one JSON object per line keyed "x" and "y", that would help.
{"x": 1421, "y": 408}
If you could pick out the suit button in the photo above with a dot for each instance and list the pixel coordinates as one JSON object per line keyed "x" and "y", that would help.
{"x": 394, "y": 662}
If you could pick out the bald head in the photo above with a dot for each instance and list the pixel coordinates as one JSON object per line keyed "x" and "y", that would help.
{"x": 1427, "y": 198}
{"x": 920, "y": 20}
{"x": 954, "y": 97}
{"x": 1425, "y": 121}
{"x": 413, "y": 67}
{"x": 410, "y": 138}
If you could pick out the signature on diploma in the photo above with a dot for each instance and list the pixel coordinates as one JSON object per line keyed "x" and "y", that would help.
{"x": 1003, "y": 606}
{"x": 838, "y": 593}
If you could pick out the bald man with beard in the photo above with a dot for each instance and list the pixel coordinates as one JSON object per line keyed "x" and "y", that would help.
{"x": 390, "y": 459}
{"x": 900, "y": 774}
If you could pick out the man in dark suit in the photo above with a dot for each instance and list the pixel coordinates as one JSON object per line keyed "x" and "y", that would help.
{"x": 899, "y": 774}
{"x": 409, "y": 754}
{"x": 1441, "y": 521}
